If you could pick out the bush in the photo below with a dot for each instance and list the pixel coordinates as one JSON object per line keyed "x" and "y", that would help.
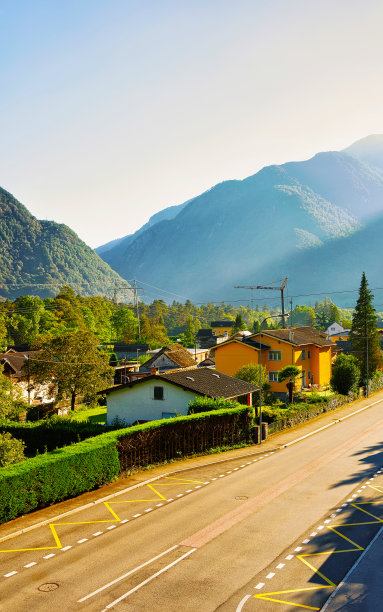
{"x": 205, "y": 404}
{"x": 55, "y": 476}
{"x": 345, "y": 374}
{"x": 11, "y": 450}
{"x": 50, "y": 434}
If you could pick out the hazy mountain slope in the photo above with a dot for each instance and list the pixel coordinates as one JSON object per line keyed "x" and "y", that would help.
{"x": 342, "y": 180}
{"x": 369, "y": 150}
{"x": 36, "y": 252}
{"x": 336, "y": 266}
{"x": 111, "y": 250}
{"x": 235, "y": 227}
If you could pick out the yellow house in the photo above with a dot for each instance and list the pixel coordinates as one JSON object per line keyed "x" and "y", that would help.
{"x": 222, "y": 329}
{"x": 305, "y": 347}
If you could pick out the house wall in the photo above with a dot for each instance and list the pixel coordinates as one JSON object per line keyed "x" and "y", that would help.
{"x": 163, "y": 362}
{"x": 222, "y": 331}
{"x": 288, "y": 357}
{"x": 137, "y": 403}
{"x": 230, "y": 357}
{"x": 324, "y": 366}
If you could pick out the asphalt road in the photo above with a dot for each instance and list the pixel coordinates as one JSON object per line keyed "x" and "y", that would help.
{"x": 271, "y": 531}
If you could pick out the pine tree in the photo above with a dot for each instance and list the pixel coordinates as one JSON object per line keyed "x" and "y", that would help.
{"x": 364, "y": 335}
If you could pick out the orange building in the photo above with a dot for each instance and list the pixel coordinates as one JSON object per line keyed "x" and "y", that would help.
{"x": 305, "y": 347}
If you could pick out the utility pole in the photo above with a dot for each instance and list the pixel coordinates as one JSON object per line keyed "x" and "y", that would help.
{"x": 29, "y": 381}
{"x": 281, "y": 289}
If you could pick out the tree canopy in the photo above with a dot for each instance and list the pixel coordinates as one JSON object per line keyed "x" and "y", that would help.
{"x": 71, "y": 364}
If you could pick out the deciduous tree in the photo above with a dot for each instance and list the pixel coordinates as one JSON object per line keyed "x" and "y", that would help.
{"x": 71, "y": 363}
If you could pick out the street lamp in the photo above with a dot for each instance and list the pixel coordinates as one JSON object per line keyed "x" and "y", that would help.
{"x": 260, "y": 373}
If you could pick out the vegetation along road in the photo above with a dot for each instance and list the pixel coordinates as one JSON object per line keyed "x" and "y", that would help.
{"x": 267, "y": 531}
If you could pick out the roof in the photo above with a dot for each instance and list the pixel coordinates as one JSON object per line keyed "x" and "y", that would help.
{"x": 252, "y": 343}
{"x": 16, "y": 361}
{"x": 223, "y": 323}
{"x": 177, "y": 353}
{"x": 203, "y": 381}
{"x": 202, "y": 333}
{"x": 298, "y": 336}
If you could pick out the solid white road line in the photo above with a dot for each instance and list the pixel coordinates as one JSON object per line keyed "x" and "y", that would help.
{"x": 139, "y": 586}
{"x": 136, "y": 569}
{"x": 242, "y": 602}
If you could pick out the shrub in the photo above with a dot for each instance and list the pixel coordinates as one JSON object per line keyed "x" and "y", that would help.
{"x": 50, "y": 434}
{"x": 345, "y": 374}
{"x": 205, "y": 404}
{"x": 11, "y": 450}
{"x": 55, "y": 476}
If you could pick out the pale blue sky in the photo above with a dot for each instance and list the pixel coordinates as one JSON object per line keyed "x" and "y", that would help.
{"x": 114, "y": 109}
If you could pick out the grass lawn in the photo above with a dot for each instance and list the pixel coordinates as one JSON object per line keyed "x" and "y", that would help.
{"x": 93, "y": 415}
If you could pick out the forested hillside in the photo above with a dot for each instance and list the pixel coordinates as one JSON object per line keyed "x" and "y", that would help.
{"x": 38, "y": 257}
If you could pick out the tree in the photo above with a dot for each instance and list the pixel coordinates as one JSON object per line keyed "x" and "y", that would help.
{"x": 10, "y": 403}
{"x": 71, "y": 364}
{"x": 289, "y": 373}
{"x": 239, "y": 324}
{"x": 11, "y": 450}
{"x": 345, "y": 374}
{"x": 364, "y": 335}
{"x": 250, "y": 373}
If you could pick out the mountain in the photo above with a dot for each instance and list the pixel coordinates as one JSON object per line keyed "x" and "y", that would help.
{"x": 107, "y": 250}
{"x": 39, "y": 257}
{"x": 261, "y": 228}
{"x": 369, "y": 150}
{"x": 336, "y": 267}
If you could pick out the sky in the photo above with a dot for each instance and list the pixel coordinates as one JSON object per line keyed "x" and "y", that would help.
{"x": 112, "y": 110}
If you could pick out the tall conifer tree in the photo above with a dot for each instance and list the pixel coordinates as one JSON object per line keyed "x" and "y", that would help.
{"x": 364, "y": 335}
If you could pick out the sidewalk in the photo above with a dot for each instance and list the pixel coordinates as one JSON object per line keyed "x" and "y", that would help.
{"x": 362, "y": 589}
{"x": 275, "y": 441}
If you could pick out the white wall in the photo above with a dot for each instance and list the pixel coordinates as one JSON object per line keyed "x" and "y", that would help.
{"x": 137, "y": 403}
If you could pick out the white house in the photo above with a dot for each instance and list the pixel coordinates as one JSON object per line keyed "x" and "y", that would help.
{"x": 163, "y": 396}
{"x": 334, "y": 329}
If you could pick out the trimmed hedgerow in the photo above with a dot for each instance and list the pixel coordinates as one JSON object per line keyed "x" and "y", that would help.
{"x": 56, "y": 476}
{"x": 43, "y": 436}
{"x": 206, "y": 404}
{"x": 69, "y": 471}
{"x": 196, "y": 433}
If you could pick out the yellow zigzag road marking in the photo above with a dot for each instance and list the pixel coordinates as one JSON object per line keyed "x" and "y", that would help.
{"x": 329, "y": 583}
{"x": 117, "y": 519}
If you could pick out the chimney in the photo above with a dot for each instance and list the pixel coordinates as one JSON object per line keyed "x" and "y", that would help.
{"x": 291, "y": 336}
{"x": 153, "y": 371}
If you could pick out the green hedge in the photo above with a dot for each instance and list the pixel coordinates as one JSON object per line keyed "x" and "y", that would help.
{"x": 58, "y": 475}
{"x": 67, "y": 472}
{"x": 294, "y": 414}
{"x": 42, "y": 436}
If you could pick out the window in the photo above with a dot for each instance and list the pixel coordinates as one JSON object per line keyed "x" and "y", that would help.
{"x": 275, "y": 355}
{"x": 273, "y": 376}
{"x": 308, "y": 354}
{"x": 158, "y": 393}
{"x": 309, "y": 375}
{"x": 303, "y": 355}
